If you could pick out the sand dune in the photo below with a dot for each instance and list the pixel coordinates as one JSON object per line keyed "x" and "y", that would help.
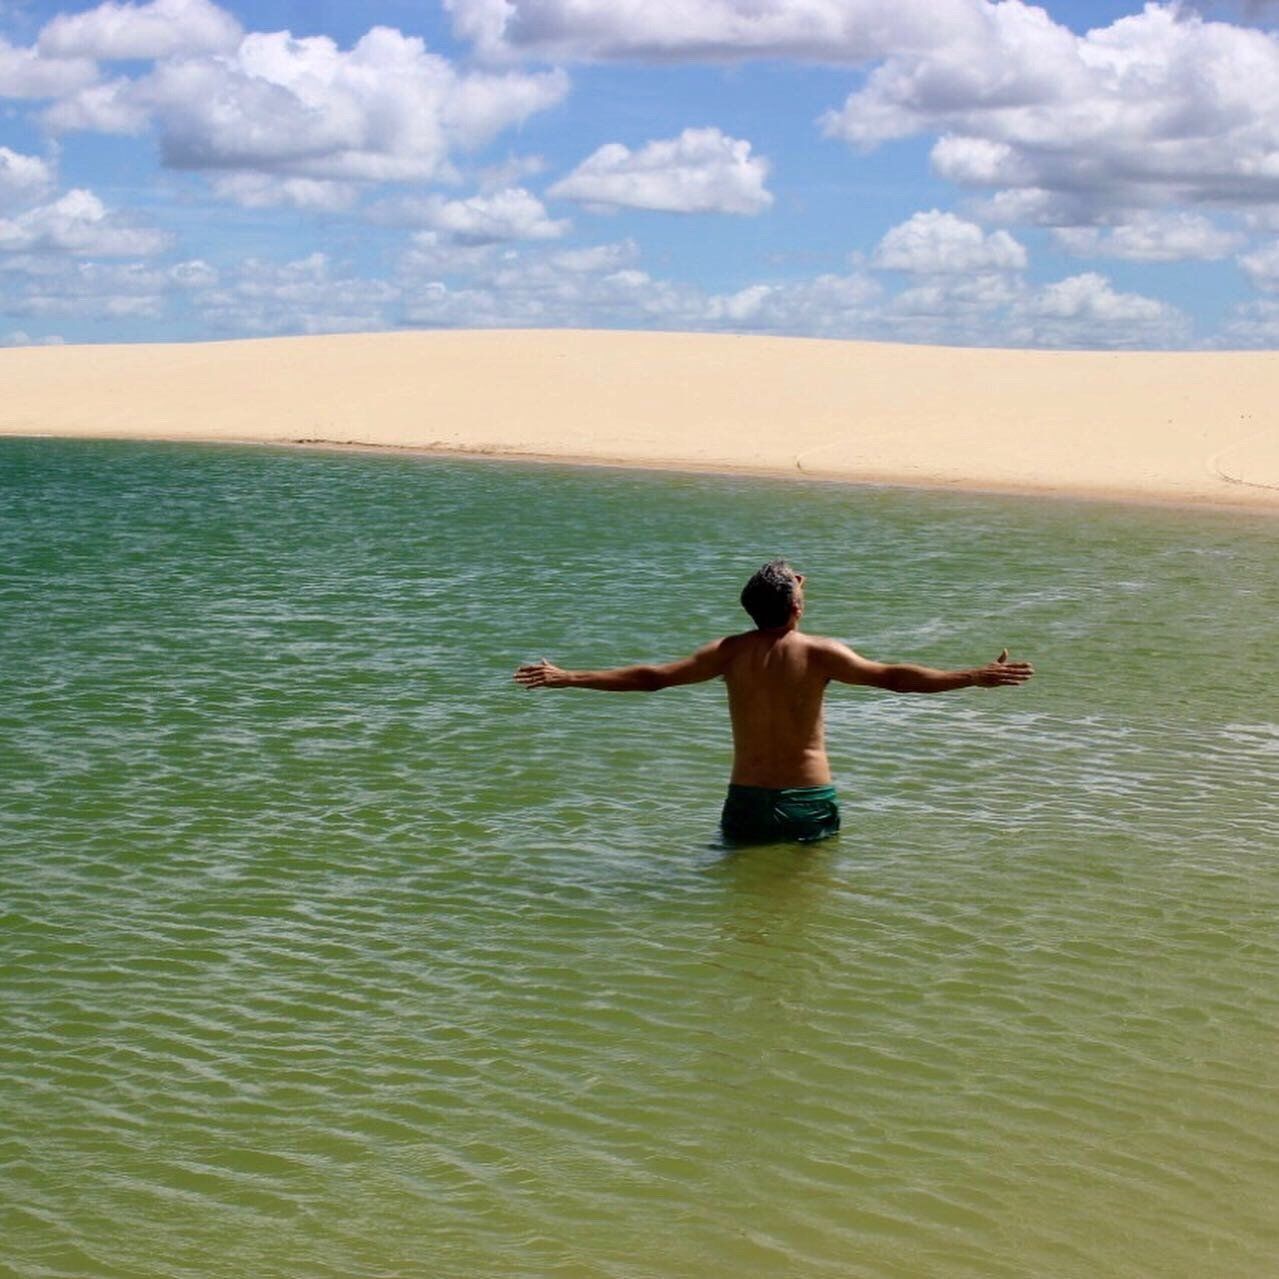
{"x": 1193, "y": 428}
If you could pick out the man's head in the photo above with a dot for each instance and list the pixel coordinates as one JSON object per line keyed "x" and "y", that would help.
{"x": 774, "y": 595}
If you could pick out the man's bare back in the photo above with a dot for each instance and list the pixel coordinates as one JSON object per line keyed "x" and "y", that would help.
{"x": 777, "y": 679}
{"x": 776, "y": 686}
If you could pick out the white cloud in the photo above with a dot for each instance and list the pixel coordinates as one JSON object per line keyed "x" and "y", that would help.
{"x": 384, "y": 110}
{"x": 607, "y": 286}
{"x": 262, "y": 191}
{"x": 1037, "y": 206}
{"x": 513, "y": 214}
{"x": 597, "y": 257}
{"x": 604, "y": 285}
{"x": 825, "y": 306}
{"x": 528, "y": 291}
{"x": 512, "y": 172}
{"x": 431, "y": 255}
{"x": 833, "y": 31}
{"x": 1253, "y": 324}
{"x": 958, "y": 296}
{"x": 1084, "y": 310}
{"x": 977, "y": 161}
{"x": 159, "y": 29}
{"x": 941, "y": 243}
{"x": 23, "y": 178}
{"x": 480, "y": 106}
{"x": 480, "y": 221}
{"x": 1151, "y": 237}
{"x": 1090, "y": 295}
{"x": 1262, "y": 266}
{"x": 195, "y": 273}
{"x": 19, "y": 337}
{"x": 1265, "y": 218}
{"x": 79, "y": 223}
{"x": 25, "y": 74}
{"x": 1161, "y": 107}
{"x": 1007, "y": 59}
{"x": 112, "y": 107}
{"x": 104, "y": 291}
{"x": 701, "y": 171}
{"x": 309, "y": 295}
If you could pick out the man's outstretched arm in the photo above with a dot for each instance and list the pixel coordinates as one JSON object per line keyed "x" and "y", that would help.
{"x": 903, "y": 677}
{"x": 706, "y": 663}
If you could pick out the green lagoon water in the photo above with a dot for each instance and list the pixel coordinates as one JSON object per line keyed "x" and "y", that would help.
{"x": 326, "y": 951}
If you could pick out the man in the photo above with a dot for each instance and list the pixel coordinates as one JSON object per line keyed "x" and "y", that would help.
{"x": 777, "y": 677}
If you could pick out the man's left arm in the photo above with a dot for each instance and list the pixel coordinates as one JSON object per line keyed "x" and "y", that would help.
{"x": 848, "y": 667}
{"x": 706, "y": 663}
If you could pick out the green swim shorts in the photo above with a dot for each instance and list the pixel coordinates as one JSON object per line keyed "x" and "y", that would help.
{"x": 757, "y": 815}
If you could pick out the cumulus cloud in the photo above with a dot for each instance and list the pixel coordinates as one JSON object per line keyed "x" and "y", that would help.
{"x": 511, "y": 172}
{"x": 23, "y": 178}
{"x": 1262, "y": 266}
{"x": 1158, "y": 109}
{"x": 513, "y": 214}
{"x": 701, "y": 171}
{"x": 958, "y": 296}
{"x": 977, "y": 161}
{"x": 20, "y": 337}
{"x": 941, "y": 243}
{"x": 1090, "y": 295}
{"x": 79, "y": 223}
{"x": 308, "y": 295}
{"x": 520, "y": 290}
{"x": 61, "y": 287}
{"x": 1253, "y": 324}
{"x": 432, "y": 255}
{"x": 851, "y": 31}
{"x": 114, "y": 106}
{"x": 1085, "y": 310}
{"x": 531, "y": 292}
{"x": 606, "y": 285}
{"x": 159, "y": 29}
{"x": 25, "y": 74}
{"x": 1037, "y": 206}
{"x": 597, "y": 257}
{"x": 384, "y": 110}
{"x": 1167, "y": 237}
{"x": 262, "y": 191}
{"x": 828, "y": 305}
{"x": 1161, "y": 107}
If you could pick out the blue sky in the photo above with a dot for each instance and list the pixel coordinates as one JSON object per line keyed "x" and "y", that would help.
{"x": 1092, "y": 174}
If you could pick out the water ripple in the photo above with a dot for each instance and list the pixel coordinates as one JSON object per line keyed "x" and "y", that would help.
{"x": 326, "y": 952}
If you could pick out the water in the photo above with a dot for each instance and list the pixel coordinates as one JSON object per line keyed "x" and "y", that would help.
{"x": 326, "y": 951}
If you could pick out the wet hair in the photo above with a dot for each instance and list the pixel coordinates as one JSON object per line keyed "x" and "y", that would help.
{"x": 768, "y": 596}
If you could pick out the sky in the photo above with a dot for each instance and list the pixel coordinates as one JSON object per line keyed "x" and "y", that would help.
{"x": 1091, "y": 174}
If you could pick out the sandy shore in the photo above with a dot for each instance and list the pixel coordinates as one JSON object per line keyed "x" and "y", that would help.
{"x": 1190, "y": 428}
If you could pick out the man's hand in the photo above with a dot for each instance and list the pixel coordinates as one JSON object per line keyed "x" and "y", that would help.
{"x": 1001, "y": 672}
{"x": 541, "y": 675}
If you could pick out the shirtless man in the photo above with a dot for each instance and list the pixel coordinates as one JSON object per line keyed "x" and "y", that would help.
{"x": 777, "y": 677}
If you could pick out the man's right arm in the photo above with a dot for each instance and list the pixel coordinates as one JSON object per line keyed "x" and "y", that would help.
{"x": 707, "y": 663}
{"x": 847, "y": 667}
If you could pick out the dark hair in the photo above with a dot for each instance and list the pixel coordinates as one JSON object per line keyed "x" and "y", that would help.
{"x": 768, "y": 596}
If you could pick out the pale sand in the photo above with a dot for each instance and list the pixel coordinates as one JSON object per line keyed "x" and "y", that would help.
{"x": 1190, "y": 428}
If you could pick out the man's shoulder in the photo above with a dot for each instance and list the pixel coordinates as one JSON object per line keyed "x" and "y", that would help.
{"x": 826, "y": 643}
{"x": 795, "y": 637}
{"x": 746, "y": 640}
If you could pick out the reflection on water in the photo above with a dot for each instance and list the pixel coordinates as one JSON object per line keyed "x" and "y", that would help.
{"x": 327, "y": 951}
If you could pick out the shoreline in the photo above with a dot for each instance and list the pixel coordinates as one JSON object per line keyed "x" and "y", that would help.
{"x": 1180, "y": 429}
{"x": 673, "y": 466}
